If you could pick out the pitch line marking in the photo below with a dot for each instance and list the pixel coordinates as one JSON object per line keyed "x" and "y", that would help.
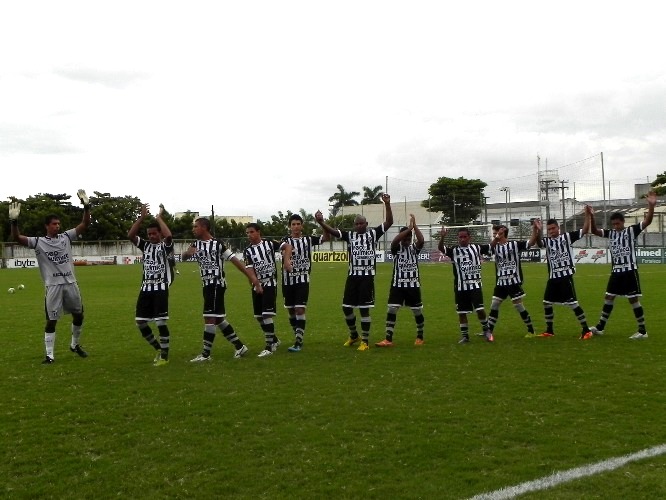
{"x": 558, "y": 478}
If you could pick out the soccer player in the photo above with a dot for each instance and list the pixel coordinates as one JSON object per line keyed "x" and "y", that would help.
{"x": 261, "y": 264}
{"x": 561, "y": 268}
{"x": 54, "y": 258}
{"x": 623, "y": 281}
{"x": 360, "y": 285}
{"x": 509, "y": 275}
{"x": 466, "y": 259}
{"x": 153, "y": 301}
{"x": 405, "y": 281}
{"x": 296, "y": 283}
{"x": 211, "y": 253}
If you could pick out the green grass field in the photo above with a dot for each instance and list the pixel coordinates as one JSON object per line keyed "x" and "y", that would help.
{"x": 437, "y": 421}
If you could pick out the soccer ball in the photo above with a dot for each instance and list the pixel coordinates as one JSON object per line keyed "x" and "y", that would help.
{"x": 21, "y": 286}
{"x": 11, "y": 290}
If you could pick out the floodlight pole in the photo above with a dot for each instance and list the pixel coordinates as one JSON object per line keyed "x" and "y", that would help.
{"x": 507, "y": 199}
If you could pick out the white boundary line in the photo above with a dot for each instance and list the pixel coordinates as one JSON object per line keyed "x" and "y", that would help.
{"x": 558, "y": 478}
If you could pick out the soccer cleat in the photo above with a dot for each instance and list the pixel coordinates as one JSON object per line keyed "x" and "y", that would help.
{"x": 530, "y": 335}
{"x": 48, "y": 361}
{"x": 363, "y": 347}
{"x": 351, "y": 341}
{"x": 295, "y": 348}
{"x": 464, "y": 340}
{"x": 489, "y": 337}
{"x": 596, "y": 331}
{"x": 586, "y": 335}
{"x": 201, "y": 358}
{"x": 158, "y": 356}
{"x": 419, "y": 341}
{"x": 275, "y": 345}
{"x": 639, "y": 336}
{"x": 384, "y": 343}
{"x": 546, "y": 334}
{"x": 264, "y": 353}
{"x": 160, "y": 362}
{"x": 241, "y": 352}
{"x": 78, "y": 350}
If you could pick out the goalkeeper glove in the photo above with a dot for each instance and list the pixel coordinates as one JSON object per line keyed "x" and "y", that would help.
{"x": 14, "y": 211}
{"x": 81, "y": 193}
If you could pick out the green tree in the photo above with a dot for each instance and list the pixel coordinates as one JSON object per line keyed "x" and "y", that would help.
{"x": 112, "y": 216}
{"x": 34, "y": 210}
{"x": 343, "y": 199}
{"x": 372, "y": 196}
{"x": 659, "y": 184}
{"x": 345, "y": 222}
{"x": 181, "y": 228}
{"x": 459, "y": 200}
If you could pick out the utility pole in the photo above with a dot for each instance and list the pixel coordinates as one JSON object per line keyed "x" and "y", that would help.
{"x": 454, "y": 208}
{"x": 546, "y": 189}
{"x": 507, "y": 200}
{"x": 562, "y": 187}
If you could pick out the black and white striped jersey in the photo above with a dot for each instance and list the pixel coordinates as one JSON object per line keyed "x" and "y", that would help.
{"x": 261, "y": 257}
{"x": 301, "y": 259}
{"x": 466, "y": 265}
{"x": 622, "y": 246}
{"x": 406, "y": 266}
{"x": 157, "y": 274}
{"x": 507, "y": 262}
{"x": 559, "y": 254}
{"x": 361, "y": 250}
{"x": 211, "y": 254}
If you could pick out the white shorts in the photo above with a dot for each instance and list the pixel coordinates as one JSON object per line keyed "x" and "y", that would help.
{"x": 62, "y": 299}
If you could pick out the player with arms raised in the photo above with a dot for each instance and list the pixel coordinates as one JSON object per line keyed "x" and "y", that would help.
{"x": 360, "y": 285}
{"x": 54, "y": 257}
{"x": 153, "y": 301}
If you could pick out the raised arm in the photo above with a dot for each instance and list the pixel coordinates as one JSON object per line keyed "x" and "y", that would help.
{"x": 395, "y": 243}
{"x": 497, "y": 237}
{"x": 14, "y": 212}
{"x": 420, "y": 240}
{"x": 586, "y": 223}
{"x": 85, "y": 221}
{"x": 134, "y": 230}
{"x": 386, "y": 198}
{"x": 535, "y": 238}
{"x": 652, "y": 201}
{"x": 442, "y": 234}
{"x": 319, "y": 217}
{"x": 164, "y": 229}
{"x": 590, "y": 219}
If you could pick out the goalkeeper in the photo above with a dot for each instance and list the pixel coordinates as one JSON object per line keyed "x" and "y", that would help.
{"x": 54, "y": 257}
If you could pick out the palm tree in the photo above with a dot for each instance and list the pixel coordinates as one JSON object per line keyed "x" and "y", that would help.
{"x": 372, "y": 196}
{"x": 342, "y": 199}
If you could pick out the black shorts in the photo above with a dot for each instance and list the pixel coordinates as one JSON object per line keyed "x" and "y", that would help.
{"x": 624, "y": 284}
{"x": 213, "y": 296}
{"x": 468, "y": 301}
{"x": 560, "y": 291}
{"x": 296, "y": 295}
{"x": 152, "y": 305}
{"x": 359, "y": 292}
{"x": 407, "y": 296}
{"x": 505, "y": 291}
{"x": 264, "y": 303}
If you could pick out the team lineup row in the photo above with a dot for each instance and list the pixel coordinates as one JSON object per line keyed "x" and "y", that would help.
{"x": 259, "y": 265}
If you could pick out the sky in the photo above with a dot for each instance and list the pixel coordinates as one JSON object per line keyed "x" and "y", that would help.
{"x": 258, "y": 107}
